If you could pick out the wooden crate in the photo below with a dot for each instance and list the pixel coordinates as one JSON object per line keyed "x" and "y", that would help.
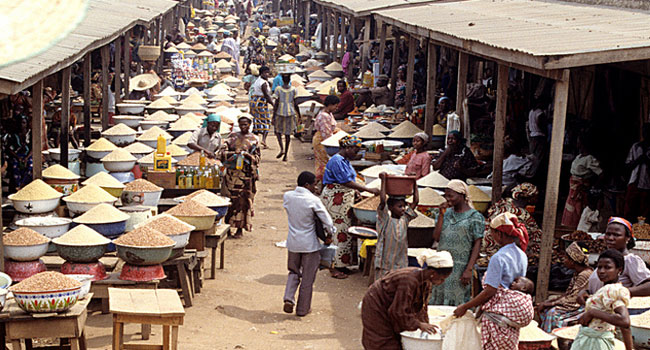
{"x": 164, "y": 179}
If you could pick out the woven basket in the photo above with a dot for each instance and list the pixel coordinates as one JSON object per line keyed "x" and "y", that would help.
{"x": 149, "y": 53}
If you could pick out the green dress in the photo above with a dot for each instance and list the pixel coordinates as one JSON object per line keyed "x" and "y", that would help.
{"x": 459, "y": 231}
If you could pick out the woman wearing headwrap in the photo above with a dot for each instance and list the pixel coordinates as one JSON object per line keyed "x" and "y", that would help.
{"x": 504, "y": 312}
{"x": 259, "y": 104}
{"x": 325, "y": 126}
{"x": 418, "y": 161}
{"x": 459, "y": 229}
{"x": 398, "y": 302}
{"x": 559, "y": 312}
{"x": 239, "y": 181}
{"x": 338, "y": 194}
{"x": 207, "y": 139}
{"x": 522, "y": 195}
{"x": 457, "y": 161}
{"x": 585, "y": 169}
{"x": 400, "y": 91}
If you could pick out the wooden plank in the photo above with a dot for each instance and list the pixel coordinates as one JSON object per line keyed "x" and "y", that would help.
{"x": 352, "y": 29}
{"x": 461, "y": 88}
{"x": 165, "y": 338}
{"x": 117, "y": 57}
{"x": 552, "y": 184}
{"x": 144, "y": 302}
{"x": 37, "y": 129}
{"x": 86, "y": 95}
{"x": 335, "y": 24}
{"x": 149, "y": 319}
{"x": 499, "y": 132}
{"x": 307, "y": 20}
{"x": 51, "y": 327}
{"x": 126, "y": 61}
{"x": 382, "y": 45}
{"x": 105, "y": 62}
{"x": 410, "y": 72}
{"x": 432, "y": 81}
{"x": 65, "y": 116}
{"x": 343, "y": 38}
{"x": 133, "y": 346}
{"x": 393, "y": 69}
{"x": 366, "y": 43}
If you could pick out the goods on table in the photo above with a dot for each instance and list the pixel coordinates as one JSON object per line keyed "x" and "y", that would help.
{"x": 208, "y": 198}
{"x": 119, "y": 130}
{"x": 222, "y": 64}
{"x": 194, "y": 159}
{"x": 375, "y": 126}
{"x": 160, "y": 104}
{"x": 183, "y": 140}
{"x": 152, "y": 134}
{"x": 167, "y": 225}
{"x": 184, "y": 123}
{"x": 334, "y": 67}
{"x": 101, "y": 145}
{"x": 138, "y": 148}
{"x": 640, "y": 303}
{"x": 119, "y": 155}
{"x": 23, "y": 237}
{"x": 90, "y": 194}
{"x": 476, "y": 195}
{"x": 567, "y": 332}
{"x": 422, "y": 221}
{"x": 59, "y": 172}
{"x": 641, "y": 229}
{"x": 101, "y": 214}
{"x": 103, "y": 179}
{"x": 369, "y": 134}
{"x": 532, "y": 333}
{"x": 406, "y": 129}
{"x": 369, "y": 203}
{"x": 428, "y": 197}
{"x": 375, "y": 170}
{"x": 35, "y": 190}
{"x": 433, "y": 179}
{"x": 190, "y": 208}
{"x": 170, "y": 100}
{"x": 326, "y": 87}
{"x": 45, "y": 281}
{"x": 160, "y": 116}
{"x": 176, "y": 151}
{"x": 642, "y": 320}
{"x": 195, "y": 98}
{"x": 439, "y": 130}
{"x": 579, "y": 236}
{"x": 318, "y": 75}
{"x": 141, "y": 185}
{"x": 594, "y": 246}
{"x": 82, "y": 235}
{"x": 144, "y": 237}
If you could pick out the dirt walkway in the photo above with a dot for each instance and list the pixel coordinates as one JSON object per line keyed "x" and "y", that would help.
{"x": 242, "y": 308}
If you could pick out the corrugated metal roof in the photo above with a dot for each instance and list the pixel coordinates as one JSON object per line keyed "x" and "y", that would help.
{"x": 538, "y": 34}
{"x": 359, "y": 8}
{"x": 104, "y": 21}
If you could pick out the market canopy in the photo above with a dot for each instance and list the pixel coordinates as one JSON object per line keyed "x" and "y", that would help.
{"x": 359, "y": 8}
{"x": 104, "y": 22}
{"x": 544, "y": 35}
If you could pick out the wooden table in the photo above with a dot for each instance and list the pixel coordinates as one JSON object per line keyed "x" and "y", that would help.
{"x": 146, "y": 306}
{"x": 100, "y": 288}
{"x": 67, "y": 325}
{"x": 213, "y": 241}
{"x": 181, "y": 275}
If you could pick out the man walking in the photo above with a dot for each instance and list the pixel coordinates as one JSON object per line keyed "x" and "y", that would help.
{"x": 302, "y": 208}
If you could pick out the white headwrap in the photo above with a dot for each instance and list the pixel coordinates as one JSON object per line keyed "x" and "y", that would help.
{"x": 435, "y": 259}
{"x": 423, "y": 136}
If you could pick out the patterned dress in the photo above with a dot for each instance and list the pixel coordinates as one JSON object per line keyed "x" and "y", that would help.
{"x": 325, "y": 126}
{"x": 517, "y": 307}
{"x": 286, "y": 112}
{"x": 240, "y": 184}
{"x": 567, "y": 306}
{"x": 392, "y": 241}
{"x": 459, "y": 231}
{"x": 259, "y": 107}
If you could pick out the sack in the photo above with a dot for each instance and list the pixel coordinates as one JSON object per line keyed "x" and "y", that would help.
{"x": 460, "y": 333}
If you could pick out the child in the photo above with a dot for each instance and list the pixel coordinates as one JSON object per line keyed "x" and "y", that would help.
{"x": 590, "y": 218}
{"x": 393, "y": 217}
{"x": 606, "y": 309}
{"x": 284, "y": 114}
{"x": 523, "y": 284}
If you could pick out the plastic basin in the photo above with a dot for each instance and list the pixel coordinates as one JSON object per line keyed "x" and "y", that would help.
{"x": 65, "y": 186}
{"x": 81, "y": 254}
{"x": 366, "y": 216}
{"x": 26, "y": 252}
{"x": 417, "y": 340}
{"x": 180, "y": 239}
{"x": 120, "y": 166}
{"x": 121, "y": 140}
{"x": 149, "y": 199}
{"x": 221, "y": 211}
{"x": 5, "y": 280}
{"x": 49, "y": 301}
{"x": 109, "y": 229}
{"x": 85, "y": 281}
{"x": 481, "y": 206}
{"x": 76, "y": 208}
{"x": 132, "y": 121}
{"x": 73, "y": 154}
{"x": 49, "y": 227}
{"x": 199, "y": 222}
{"x": 130, "y": 108}
{"x": 400, "y": 185}
{"x": 35, "y": 206}
{"x": 641, "y": 336}
{"x": 144, "y": 255}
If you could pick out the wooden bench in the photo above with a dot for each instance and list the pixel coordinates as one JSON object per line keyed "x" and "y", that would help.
{"x": 213, "y": 241}
{"x": 146, "y": 306}
{"x": 180, "y": 275}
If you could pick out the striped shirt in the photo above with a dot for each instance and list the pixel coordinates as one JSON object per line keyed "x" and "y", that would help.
{"x": 392, "y": 243}
{"x": 285, "y": 101}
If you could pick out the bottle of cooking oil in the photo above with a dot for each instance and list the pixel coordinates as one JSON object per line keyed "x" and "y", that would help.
{"x": 209, "y": 179}
{"x": 188, "y": 178}
{"x": 196, "y": 178}
{"x": 180, "y": 178}
{"x": 240, "y": 161}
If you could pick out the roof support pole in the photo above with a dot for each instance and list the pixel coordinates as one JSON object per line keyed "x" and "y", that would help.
{"x": 65, "y": 115}
{"x": 349, "y": 41}
{"x": 127, "y": 62}
{"x": 382, "y": 44}
{"x": 335, "y": 42}
{"x": 342, "y": 48}
{"x": 461, "y": 88}
{"x": 366, "y": 44}
{"x": 307, "y": 20}
{"x": 499, "y": 131}
{"x": 86, "y": 95}
{"x": 117, "y": 57}
{"x": 37, "y": 130}
{"x": 410, "y": 72}
{"x": 330, "y": 33}
{"x": 160, "y": 36}
{"x": 432, "y": 82}
{"x": 393, "y": 67}
{"x": 105, "y": 63}
{"x": 319, "y": 13}
{"x": 552, "y": 183}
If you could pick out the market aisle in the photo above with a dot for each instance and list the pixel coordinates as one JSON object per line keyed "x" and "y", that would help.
{"x": 242, "y": 308}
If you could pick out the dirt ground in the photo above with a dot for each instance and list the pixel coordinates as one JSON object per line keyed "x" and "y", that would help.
{"x": 242, "y": 307}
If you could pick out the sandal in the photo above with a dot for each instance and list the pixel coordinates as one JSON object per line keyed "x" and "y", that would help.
{"x": 338, "y": 275}
{"x": 279, "y": 155}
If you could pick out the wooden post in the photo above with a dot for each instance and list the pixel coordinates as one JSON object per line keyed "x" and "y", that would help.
{"x": 335, "y": 44}
{"x": 37, "y": 130}
{"x": 126, "y": 62}
{"x": 319, "y": 11}
{"x": 161, "y": 38}
{"x": 352, "y": 34}
{"x": 499, "y": 132}
{"x": 117, "y": 56}
{"x": 307, "y": 20}
{"x": 86, "y": 95}
{"x": 105, "y": 63}
{"x": 432, "y": 85}
{"x": 393, "y": 67}
{"x": 343, "y": 38}
{"x": 366, "y": 44}
{"x": 461, "y": 90}
{"x": 65, "y": 115}
{"x": 382, "y": 45}
{"x": 410, "y": 72}
{"x": 552, "y": 184}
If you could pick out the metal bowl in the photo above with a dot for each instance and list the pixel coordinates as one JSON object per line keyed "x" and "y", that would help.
{"x": 181, "y": 239}
{"x": 366, "y": 216}
{"x": 130, "y": 108}
{"x": 81, "y": 253}
{"x": 149, "y": 199}
{"x": 97, "y": 154}
{"x": 148, "y": 124}
{"x": 5, "y": 280}
{"x": 76, "y": 208}
{"x": 35, "y": 206}
{"x": 26, "y": 252}
{"x": 73, "y": 154}
{"x": 48, "y": 301}
{"x": 85, "y": 281}
{"x": 109, "y": 229}
{"x": 144, "y": 255}
{"x": 119, "y": 166}
{"x": 331, "y": 150}
{"x": 132, "y": 121}
{"x": 199, "y": 222}
{"x": 640, "y": 334}
{"x": 120, "y": 140}
{"x": 50, "y": 227}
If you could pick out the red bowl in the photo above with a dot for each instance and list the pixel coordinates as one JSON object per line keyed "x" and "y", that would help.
{"x": 96, "y": 269}
{"x": 142, "y": 273}
{"x": 20, "y": 270}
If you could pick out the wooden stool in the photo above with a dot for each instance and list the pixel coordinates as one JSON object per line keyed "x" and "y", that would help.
{"x": 146, "y": 306}
{"x": 214, "y": 241}
{"x": 68, "y": 325}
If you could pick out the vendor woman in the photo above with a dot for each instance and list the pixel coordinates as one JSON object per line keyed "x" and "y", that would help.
{"x": 418, "y": 161}
{"x": 339, "y": 188}
{"x": 207, "y": 139}
{"x": 397, "y": 302}
{"x": 457, "y": 161}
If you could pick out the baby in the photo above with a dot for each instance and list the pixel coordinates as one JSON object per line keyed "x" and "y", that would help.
{"x": 523, "y": 284}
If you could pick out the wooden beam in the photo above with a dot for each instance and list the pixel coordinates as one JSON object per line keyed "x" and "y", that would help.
{"x": 393, "y": 68}
{"x": 461, "y": 87}
{"x": 335, "y": 44}
{"x": 343, "y": 38}
{"x": 432, "y": 85}
{"x": 552, "y": 184}
{"x": 382, "y": 45}
{"x": 105, "y": 63}
{"x": 65, "y": 115}
{"x": 126, "y": 62}
{"x": 117, "y": 56}
{"x": 37, "y": 130}
{"x": 499, "y": 132}
{"x": 307, "y": 19}
{"x": 352, "y": 33}
{"x": 366, "y": 44}
{"x": 86, "y": 95}
{"x": 410, "y": 72}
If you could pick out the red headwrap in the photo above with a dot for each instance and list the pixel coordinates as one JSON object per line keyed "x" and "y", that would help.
{"x": 510, "y": 225}
{"x": 619, "y": 220}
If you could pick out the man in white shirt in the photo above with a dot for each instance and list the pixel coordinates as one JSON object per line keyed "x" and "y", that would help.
{"x": 637, "y": 198}
{"x": 537, "y": 129}
{"x": 304, "y": 249}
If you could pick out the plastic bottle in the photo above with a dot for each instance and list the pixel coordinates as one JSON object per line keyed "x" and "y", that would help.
{"x": 240, "y": 161}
